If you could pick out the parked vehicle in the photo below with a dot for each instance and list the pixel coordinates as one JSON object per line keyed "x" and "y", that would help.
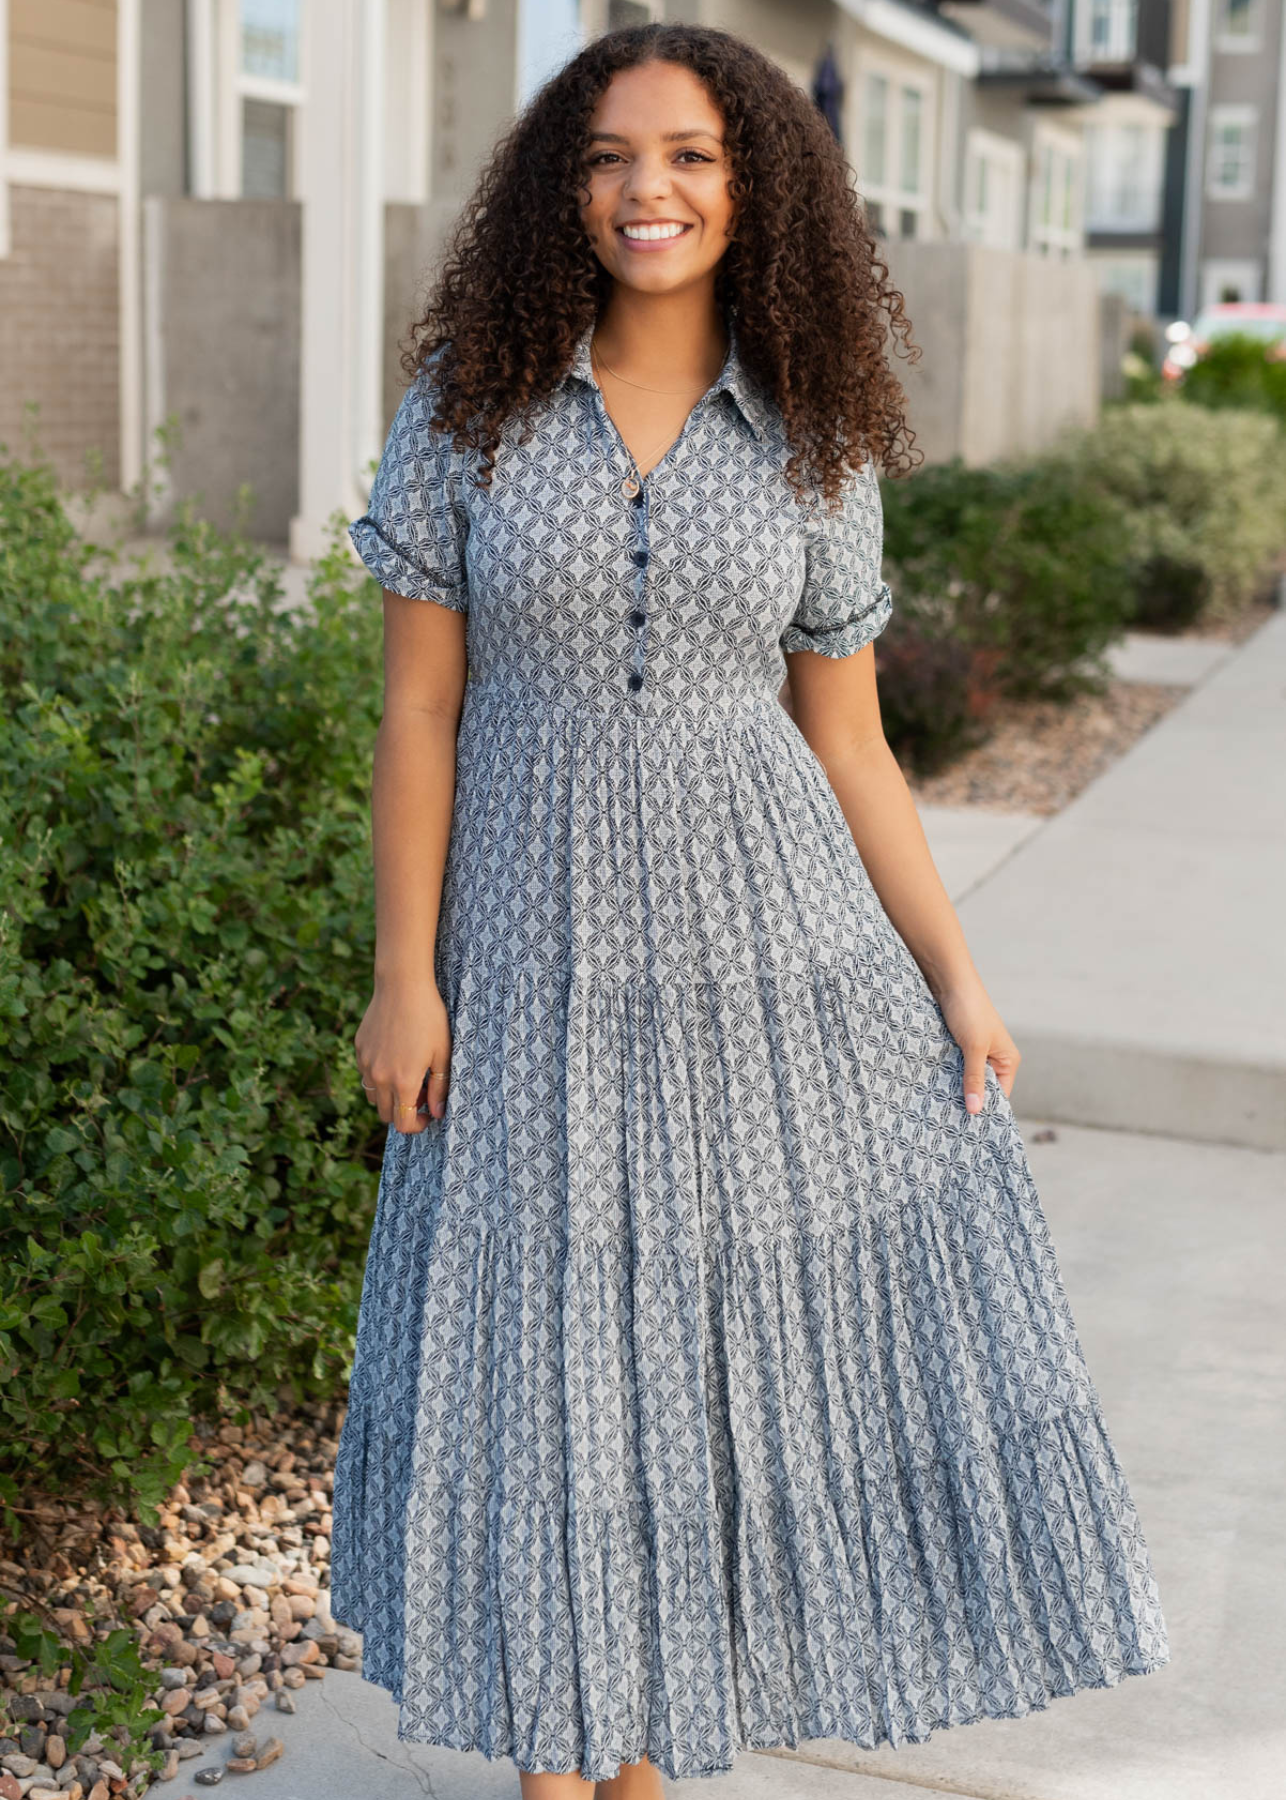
{"x": 1189, "y": 342}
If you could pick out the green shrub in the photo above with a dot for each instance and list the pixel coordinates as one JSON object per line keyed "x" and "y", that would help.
{"x": 1204, "y": 494}
{"x": 934, "y": 695}
{"x": 186, "y": 934}
{"x": 1236, "y": 371}
{"x": 1014, "y": 559}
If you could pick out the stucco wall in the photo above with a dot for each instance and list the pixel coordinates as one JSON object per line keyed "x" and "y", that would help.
{"x": 1011, "y": 347}
{"x": 226, "y": 346}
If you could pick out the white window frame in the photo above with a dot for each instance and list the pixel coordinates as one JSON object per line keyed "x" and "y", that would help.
{"x": 1246, "y": 116}
{"x": 1233, "y": 43}
{"x": 990, "y": 148}
{"x": 1122, "y": 37}
{"x": 1067, "y": 152}
{"x": 1215, "y": 271}
{"x": 1106, "y": 148}
{"x": 890, "y": 194}
{"x": 216, "y": 89}
{"x": 239, "y": 87}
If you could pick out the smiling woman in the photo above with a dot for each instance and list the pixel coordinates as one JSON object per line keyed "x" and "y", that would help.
{"x": 715, "y": 1385}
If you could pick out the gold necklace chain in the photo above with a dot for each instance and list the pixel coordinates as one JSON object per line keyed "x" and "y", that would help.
{"x": 596, "y": 359}
{"x": 597, "y": 356}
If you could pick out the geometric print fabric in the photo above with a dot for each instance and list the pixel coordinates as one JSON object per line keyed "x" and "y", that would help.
{"x": 715, "y": 1385}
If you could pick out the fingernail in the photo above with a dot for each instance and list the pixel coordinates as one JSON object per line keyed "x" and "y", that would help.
{"x": 973, "y": 1102}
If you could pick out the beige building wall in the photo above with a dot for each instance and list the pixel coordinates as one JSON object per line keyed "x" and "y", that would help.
{"x": 59, "y": 282}
{"x": 62, "y": 75}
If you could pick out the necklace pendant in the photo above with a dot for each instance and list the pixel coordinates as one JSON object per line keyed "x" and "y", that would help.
{"x": 630, "y": 486}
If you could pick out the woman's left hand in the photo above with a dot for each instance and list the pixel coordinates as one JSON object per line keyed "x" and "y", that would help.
{"x": 980, "y": 1032}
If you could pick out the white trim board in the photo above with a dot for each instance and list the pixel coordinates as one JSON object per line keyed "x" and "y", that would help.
{"x": 57, "y": 169}
{"x": 917, "y": 33}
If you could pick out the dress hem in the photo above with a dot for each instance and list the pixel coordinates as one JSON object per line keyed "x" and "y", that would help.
{"x": 686, "y": 1770}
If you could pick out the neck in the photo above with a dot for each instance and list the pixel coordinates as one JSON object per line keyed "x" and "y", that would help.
{"x": 663, "y": 340}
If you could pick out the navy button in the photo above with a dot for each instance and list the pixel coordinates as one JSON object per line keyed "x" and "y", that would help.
{"x": 638, "y": 498}
{"x": 636, "y": 682}
{"x": 640, "y": 557}
{"x": 637, "y": 618}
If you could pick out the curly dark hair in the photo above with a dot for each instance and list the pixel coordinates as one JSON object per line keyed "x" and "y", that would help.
{"x": 519, "y": 281}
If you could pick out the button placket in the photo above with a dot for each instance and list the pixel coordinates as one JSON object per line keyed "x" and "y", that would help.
{"x": 640, "y": 556}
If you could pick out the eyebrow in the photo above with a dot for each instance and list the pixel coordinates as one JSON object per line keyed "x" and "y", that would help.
{"x": 667, "y": 137}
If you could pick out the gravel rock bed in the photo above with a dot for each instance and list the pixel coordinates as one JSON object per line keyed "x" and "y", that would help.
{"x": 228, "y": 1598}
{"x": 1041, "y": 753}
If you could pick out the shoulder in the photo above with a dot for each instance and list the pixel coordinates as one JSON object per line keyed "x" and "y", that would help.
{"x": 418, "y": 429}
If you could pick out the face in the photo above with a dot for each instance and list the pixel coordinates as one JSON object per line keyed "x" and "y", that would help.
{"x": 656, "y": 156}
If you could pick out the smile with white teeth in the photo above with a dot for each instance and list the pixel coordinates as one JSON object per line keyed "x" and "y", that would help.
{"x": 646, "y": 232}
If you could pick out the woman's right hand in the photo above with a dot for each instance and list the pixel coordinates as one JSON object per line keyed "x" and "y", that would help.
{"x": 404, "y": 1034}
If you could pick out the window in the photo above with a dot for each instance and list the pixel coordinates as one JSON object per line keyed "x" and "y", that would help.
{"x": 1124, "y": 176}
{"x": 893, "y": 131}
{"x": 1133, "y": 277}
{"x": 1230, "y": 169}
{"x": 1224, "y": 281}
{"x": 1056, "y": 204}
{"x": 269, "y": 91}
{"x": 874, "y": 128}
{"x": 993, "y": 176}
{"x": 270, "y": 39}
{"x": 912, "y": 105}
{"x": 1106, "y": 30}
{"x": 1237, "y": 25}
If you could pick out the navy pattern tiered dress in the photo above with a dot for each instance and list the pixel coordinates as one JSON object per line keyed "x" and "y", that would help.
{"x": 715, "y": 1384}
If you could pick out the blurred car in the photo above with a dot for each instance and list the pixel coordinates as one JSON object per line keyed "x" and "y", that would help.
{"x": 1263, "y": 319}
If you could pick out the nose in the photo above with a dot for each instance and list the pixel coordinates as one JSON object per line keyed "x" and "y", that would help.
{"x": 648, "y": 175}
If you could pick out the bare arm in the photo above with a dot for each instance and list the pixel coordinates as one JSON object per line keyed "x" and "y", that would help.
{"x": 405, "y": 1029}
{"x": 835, "y": 704}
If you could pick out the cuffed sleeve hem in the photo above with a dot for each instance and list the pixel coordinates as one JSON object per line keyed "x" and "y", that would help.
{"x": 395, "y": 570}
{"x": 847, "y": 637}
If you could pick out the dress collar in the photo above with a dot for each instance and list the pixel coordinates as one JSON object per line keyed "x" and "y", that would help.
{"x": 733, "y": 378}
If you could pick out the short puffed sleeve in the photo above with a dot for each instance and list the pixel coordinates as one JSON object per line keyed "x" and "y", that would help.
{"x": 844, "y": 603}
{"x": 412, "y": 535}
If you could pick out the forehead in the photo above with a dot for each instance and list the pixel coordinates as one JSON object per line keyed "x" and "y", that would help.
{"x": 658, "y": 100}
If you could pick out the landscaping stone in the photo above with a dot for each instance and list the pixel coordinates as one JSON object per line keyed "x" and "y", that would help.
{"x": 226, "y": 1593}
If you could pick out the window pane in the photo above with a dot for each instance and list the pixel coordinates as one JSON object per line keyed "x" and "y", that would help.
{"x": 627, "y": 12}
{"x": 873, "y": 159}
{"x": 270, "y": 38}
{"x": 911, "y": 110}
{"x": 1234, "y": 18}
{"x": 1231, "y": 154}
{"x": 265, "y": 150}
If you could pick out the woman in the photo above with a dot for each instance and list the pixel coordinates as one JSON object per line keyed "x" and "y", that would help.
{"x": 715, "y": 1385}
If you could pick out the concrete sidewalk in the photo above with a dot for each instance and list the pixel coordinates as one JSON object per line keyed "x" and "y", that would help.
{"x": 1133, "y": 943}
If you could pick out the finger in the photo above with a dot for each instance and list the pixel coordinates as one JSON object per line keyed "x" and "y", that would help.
{"x": 975, "y": 1080}
{"x": 406, "y": 1116}
{"x": 436, "y": 1083}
